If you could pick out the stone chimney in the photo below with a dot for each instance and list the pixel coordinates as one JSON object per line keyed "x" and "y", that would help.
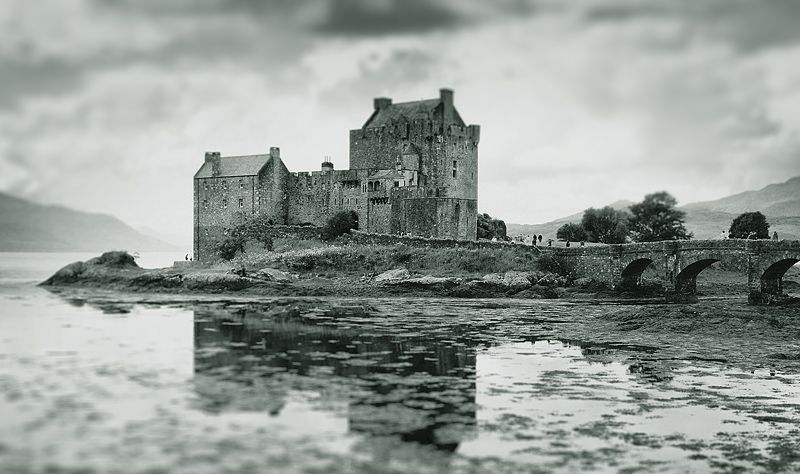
{"x": 327, "y": 165}
{"x": 446, "y": 96}
{"x": 274, "y": 152}
{"x": 213, "y": 157}
{"x": 382, "y": 102}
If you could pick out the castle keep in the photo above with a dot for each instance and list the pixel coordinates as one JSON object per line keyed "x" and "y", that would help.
{"x": 413, "y": 170}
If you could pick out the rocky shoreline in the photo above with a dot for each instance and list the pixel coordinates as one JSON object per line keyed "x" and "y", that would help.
{"x": 721, "y": 327}
{"x": 118, "y": 271}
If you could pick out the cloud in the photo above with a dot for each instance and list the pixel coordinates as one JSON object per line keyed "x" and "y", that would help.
{"x": 385, "y": 17}
{"x": 581, "y": 103}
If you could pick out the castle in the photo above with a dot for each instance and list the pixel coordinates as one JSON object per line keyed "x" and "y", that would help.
{"x": 413, "y": 170}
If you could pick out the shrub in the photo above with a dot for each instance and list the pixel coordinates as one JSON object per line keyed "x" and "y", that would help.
{"x": 572, "y": 232}
{"x": 750, "y": 225}
{"x": 489, "y": 228}
{"x": 339, "y": 224}
{"x": 231, "y": 244}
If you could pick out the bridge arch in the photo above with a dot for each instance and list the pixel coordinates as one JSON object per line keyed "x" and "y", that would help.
{"x": 772, "y": 278}
{"x": 686, "y": 280}
{"x": 632, "y": 273}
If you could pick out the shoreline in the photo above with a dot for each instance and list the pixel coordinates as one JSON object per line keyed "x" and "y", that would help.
{"x": 720, "y": 327}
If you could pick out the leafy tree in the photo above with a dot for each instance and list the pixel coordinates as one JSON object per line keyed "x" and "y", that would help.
{"x": 572, "y": 232}
{"x": 255, "y": 229}
{"x": 656, "y": 218}
{"x": 606, "y": 225}
{"x": 750, "y": 225}
{"x": 230, "y": 245}
{"x": 489, "y": 228}
{"x": 339, "y": 224}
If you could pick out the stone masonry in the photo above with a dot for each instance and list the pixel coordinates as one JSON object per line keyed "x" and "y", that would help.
{"x": 413, "y": 171}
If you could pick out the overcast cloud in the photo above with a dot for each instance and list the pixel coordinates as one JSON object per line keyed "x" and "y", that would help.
{"x": 108, "y": 105}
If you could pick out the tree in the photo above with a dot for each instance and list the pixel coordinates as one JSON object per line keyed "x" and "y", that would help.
{"x": 255, "y": 228}
{"x": 489, "y": 228}
{"x": 655, "y": 219}
{"x": 606, "y": 225}
{"x": 750, "y": 225}
{"x": 339, "y": 224}
{"x": 572, "y": 232}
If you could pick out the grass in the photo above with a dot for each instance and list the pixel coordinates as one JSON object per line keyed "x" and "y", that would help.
{"x": 314, "y": 256}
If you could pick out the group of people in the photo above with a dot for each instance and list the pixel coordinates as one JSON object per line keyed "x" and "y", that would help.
{"x": 752, "y": 235}
{"x": 531, "y": 239}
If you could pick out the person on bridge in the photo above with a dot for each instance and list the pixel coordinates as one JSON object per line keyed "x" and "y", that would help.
{"x": 775, "y": 235}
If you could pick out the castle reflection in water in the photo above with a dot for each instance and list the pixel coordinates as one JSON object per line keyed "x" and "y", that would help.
{"x": 409, "y": 384}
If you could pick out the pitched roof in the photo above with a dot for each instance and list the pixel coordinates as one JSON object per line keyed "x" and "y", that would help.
{"x": 387, "y": 174}
{"x": 420, "y": 109}
{"x": 249, "y": 165}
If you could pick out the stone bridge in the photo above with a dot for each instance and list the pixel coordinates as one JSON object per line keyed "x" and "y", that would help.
{"x": 621, "y": 266}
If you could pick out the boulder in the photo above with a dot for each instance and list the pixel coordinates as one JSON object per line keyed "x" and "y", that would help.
{"x": 272, "y": 274}
{"x": 397, "y": 274}
{"x": 495, "y": 278}
{"x": 215, "y": 282}
{"x": 68, "y": 274}
{"x": 547, "y": 280}
{"x": 115, "y": 259}
{"x": 516, "y": 280}
{"x": 431, "y": 282}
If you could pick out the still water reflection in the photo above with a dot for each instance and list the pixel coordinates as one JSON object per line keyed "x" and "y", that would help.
{"x": 395, "y": 385}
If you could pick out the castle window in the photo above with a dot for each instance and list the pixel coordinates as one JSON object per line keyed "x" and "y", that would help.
{"x": 206, "y": 232}
{"x": 241, "y": 183}
{"x": 205, "y": 203}
{"x": 241, "y": 202}
{"x": 225, "y": 185}
{"x": 455, "y": 166}
{"x": 224, "y": 203}
{"x": 205, "y": 185}
{"x": 371, "y": 186}
{"x": 397, "y": 184}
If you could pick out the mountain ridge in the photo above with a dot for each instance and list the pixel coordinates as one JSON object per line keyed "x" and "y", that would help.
{"x": 779, "y": 202}
{"x": 32, "y": 227}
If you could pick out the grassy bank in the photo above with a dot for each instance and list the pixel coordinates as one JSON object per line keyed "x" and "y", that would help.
{"x": 348, "y": 258}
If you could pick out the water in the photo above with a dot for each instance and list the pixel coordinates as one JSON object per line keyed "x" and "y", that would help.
{"x": 98, "y": 384}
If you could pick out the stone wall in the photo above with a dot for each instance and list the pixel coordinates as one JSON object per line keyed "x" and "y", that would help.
{"x": 411, "y": 241}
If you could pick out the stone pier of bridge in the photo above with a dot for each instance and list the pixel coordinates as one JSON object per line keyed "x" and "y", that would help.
{"x": 681, "y": 261}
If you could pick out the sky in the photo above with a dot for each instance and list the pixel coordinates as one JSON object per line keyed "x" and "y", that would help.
{"x": 109, "y": 105}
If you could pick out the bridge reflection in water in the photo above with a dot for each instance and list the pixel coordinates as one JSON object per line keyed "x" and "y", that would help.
{"x": 417, "y": 387}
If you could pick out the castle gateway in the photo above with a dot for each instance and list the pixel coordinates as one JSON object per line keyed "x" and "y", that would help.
{"x": 413, "y": 170}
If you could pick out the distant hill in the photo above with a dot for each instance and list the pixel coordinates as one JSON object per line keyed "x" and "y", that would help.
{"x": 780, "y": 203}
{"x": 781, "y": 199}
{"x": 549, "y": 229}
{"x": 29, "y": 227}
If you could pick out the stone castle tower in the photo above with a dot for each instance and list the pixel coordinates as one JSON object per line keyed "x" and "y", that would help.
{"x": 413, "y": 170}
